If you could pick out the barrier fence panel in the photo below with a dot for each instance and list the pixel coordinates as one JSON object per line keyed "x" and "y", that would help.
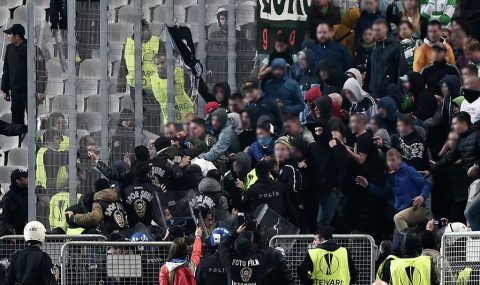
{"x": 112, "y": 262}
{"x": 361, "y": 247}
{"x": 53, "y": 245}
{"x": 460, "y": 261}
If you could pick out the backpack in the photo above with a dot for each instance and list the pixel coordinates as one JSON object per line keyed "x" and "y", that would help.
{"x": 183, "y": 275}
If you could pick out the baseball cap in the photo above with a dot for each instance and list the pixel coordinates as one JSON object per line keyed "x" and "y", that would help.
{"x": 210, "y": 107}
{"x": 15, "y": 29}
{"x": 18, "y": 174}
{"x": 251, "y": 84}
{"x": 439, "y": 47}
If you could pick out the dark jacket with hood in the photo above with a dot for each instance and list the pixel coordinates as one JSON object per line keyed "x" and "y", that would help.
{"x": 227, "y": 141}
{"x": 434, "y": 72}
{"x": 388, "y": 123}
{"x": 424, "y": 104}
{"x": 306, "y": 267}
{"x": 265, "y": 106}
{"x": 316, "y": 16}
{"x": 229, "y": 179}
{"x": 386, "y": 64}
{"x": 308, "y": 76}
{"x": 365, "y": 21}
{"x": 335, "y": 51}
{"x": 284, "y": 89}
{"x": 324, "y": 104}
{"x": 140, "y": 202}
{"x": 210, "y": 195}
{"x": 336, "y": 79}
{"x": 14, "y": 209}
{"x": 210, "y": 97}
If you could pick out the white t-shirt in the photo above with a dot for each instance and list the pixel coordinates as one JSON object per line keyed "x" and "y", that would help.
{"x": 473, "y": 109}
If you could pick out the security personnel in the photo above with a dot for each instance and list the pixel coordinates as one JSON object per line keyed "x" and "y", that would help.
{"x": 58, "y": 204}
{"x": 328, "y": 263}
{"x": 411, "y": 269}
{"x": 464, "y": 276}
{"x": 14, "y": 205}
{"x": 211, "y": 270}
{"x": 150, "y": 47}
{"x": 107, "y": 212}
{"x": 56, "y": 121}
{"x": 31, "y": 265}
{"x": 51, "y": 162}
{"x": 139, "y": 198}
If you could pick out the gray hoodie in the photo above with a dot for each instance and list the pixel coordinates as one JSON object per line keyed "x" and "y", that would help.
{"x": 211, "y": 192}
{"x": 227, "y": 141}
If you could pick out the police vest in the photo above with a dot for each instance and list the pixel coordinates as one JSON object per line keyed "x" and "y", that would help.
{"x": 149, "y": 49}
{"x": 41, "y": 174}
{"x": 58, "y": 204}
{"x": 330, "y": 267}
{"x": 409, "y": 271}
{"x": 114, "y": 216}
{"x": 464, "y": 276}
{"x": 183, "y": 103}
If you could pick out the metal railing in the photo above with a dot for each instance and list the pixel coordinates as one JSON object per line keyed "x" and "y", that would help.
{"x": 112, "y": 262}
{"x": 460, "y": 258}
{"x": 362, "y": 248}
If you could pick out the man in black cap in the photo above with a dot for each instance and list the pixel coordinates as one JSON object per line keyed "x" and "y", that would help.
{"x": 14, "y": 205}
{"x": 436, "y": 71}
{"x": 258, "y": 105}
{"x": 14, "y": 79}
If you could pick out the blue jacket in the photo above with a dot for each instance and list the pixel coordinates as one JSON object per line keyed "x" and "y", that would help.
{"x": 365, "y": 21}
{"x": 257, "y": 152}
{"x": 284, "y": 89}
{"x": 334, "y": 51}
{"x": 404, "y": 185}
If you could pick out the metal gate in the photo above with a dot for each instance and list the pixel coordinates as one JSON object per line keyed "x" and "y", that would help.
{"x": 460, "y": 260}
{"x": 112, "y": 262}
{"x": 361, "y": 247}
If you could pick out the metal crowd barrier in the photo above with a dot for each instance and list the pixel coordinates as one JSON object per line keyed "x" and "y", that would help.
{"x": 460, "y": 260}
{"x": 53, "y": 246}
{"x": 112, "y": 262}
{"x": 361, "y": 247}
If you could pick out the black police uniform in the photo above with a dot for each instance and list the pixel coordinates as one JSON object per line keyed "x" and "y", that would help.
{"x": 211, "y": 271}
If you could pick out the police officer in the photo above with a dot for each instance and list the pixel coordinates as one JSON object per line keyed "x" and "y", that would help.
{"x": 412, "y": 268}
{"x": 14, "y": 205}
{"x": 328, "y": 263}
{"x": 107, "y": 212}
{"x": 139, "y": 197}
{"x": 211, "y": 269}
{"x": 31, "y": 265}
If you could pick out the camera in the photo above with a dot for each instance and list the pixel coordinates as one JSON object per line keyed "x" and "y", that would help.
{"x": 249, "y": 221}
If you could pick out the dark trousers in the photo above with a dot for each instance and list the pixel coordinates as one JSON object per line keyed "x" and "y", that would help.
{"x": 12, "y": 130}
{"x": 152, "y": 119}
{"x": 18, "y": 108}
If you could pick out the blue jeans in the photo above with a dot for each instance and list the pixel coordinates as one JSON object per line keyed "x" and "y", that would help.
{"x": 327, "y": 205}
{"x": 472, "y": 213}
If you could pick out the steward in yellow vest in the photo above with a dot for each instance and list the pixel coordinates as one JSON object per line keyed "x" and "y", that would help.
{"x": 51, "y": 162}
{"x": 183, "y": 103}
{"x": 412, "y": 269}
{"x": 328, "y": 263}
{"x": 56, "y": 121}
{"x": 150, "y": 47}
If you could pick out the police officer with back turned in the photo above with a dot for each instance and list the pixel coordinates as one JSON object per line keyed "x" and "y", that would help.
{"x": 328, "y": 263}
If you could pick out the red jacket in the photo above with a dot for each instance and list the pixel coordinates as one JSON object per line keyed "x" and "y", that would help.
{"x": 170, "y": 265}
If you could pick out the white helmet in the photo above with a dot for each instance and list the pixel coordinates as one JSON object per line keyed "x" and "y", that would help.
{"x": 35, "y": 231}
{"x": 456, "y": 228}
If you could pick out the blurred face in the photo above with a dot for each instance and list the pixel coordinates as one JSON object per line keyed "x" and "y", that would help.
{"x": 370, "y": 5}
{"x": 373, "y": 125}
{"x": 410, "y": 4}
{"x": 146, "y": 35}
{"x": 317, "y": 241}
{"x": 261, "y": 133}
{"x": 236, "y": 167}
{"x": 22, "y": 182}
{"x": 223, "y": 20}
{"x": 291, "y": 127}
{"x": 235, "y": 105}
{"x": 452, "y": 140}
{"x": 246, "y": 121}
{"x": 406, "y": 86}
{"x": 55, "y": 143}
{"x": 170, "y": 131}
{"x": 196, "y": 131}
{"x": 382, "y": 112}
{"x": 380, "y": 31}
{"x": 161, "y": 63}
{"x": 368, "y": 36}
{"x": 60, "y": 125}
{"x": 403, "y": 129}
{"x": 356, "y": 125}
{"x": 473, "y": 56}
{"x": 209, "y": 221}
{"x": 459, "y": 38}
{"x": 323, "y": 33}
{"x": 439, "y": 55}
{"x": 15, "y": 39}
{"x": 434, "y": 33}
{"x": 445, "y": 90}
{"x": 324, "y": 75}
{"x": 280, "y": 47}
{"x": 404, "y": 31}
{"x": 459, "y": 127}
{"x": 277, "y": 72}
{"x": 282, "y": 152}
{"x": 393, "y": 162}
{"x": 219, "y": 94}
{"x": 350, "y": 96}
{"x": 466, "y": 74}
{"x": 253, "y": 95}
{"x": 216, "y": 125}
{"x": 302, "y": 60}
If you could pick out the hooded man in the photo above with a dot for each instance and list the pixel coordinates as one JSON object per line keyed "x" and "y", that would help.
{"x": 361, "y": 101}
{"x": 387, "y": 115}
{"x": 284, "y": 89}
{"x": 234, "y": 180}
{"x": 227, "y": 141}
{"x": 107, "y": 211}
{"x": 221, "y": 93}
{"x": 471, "y": 92}
{"x": 423, "y": 104}
{"x": 307, "y": 76}
{"x": 323, "y": 111}
{"x": 265, "y": 141}
{"x": 331, "y": 75}
{"x": 211, "y": 196}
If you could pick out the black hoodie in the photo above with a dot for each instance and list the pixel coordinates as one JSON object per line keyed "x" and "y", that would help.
{"x": 210, "y": 97}
{"x": 424, "y": 104}
{"x": 308, "y": 76}
{"x": 337, "y": 78}
{"x": 14, "y": 209}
